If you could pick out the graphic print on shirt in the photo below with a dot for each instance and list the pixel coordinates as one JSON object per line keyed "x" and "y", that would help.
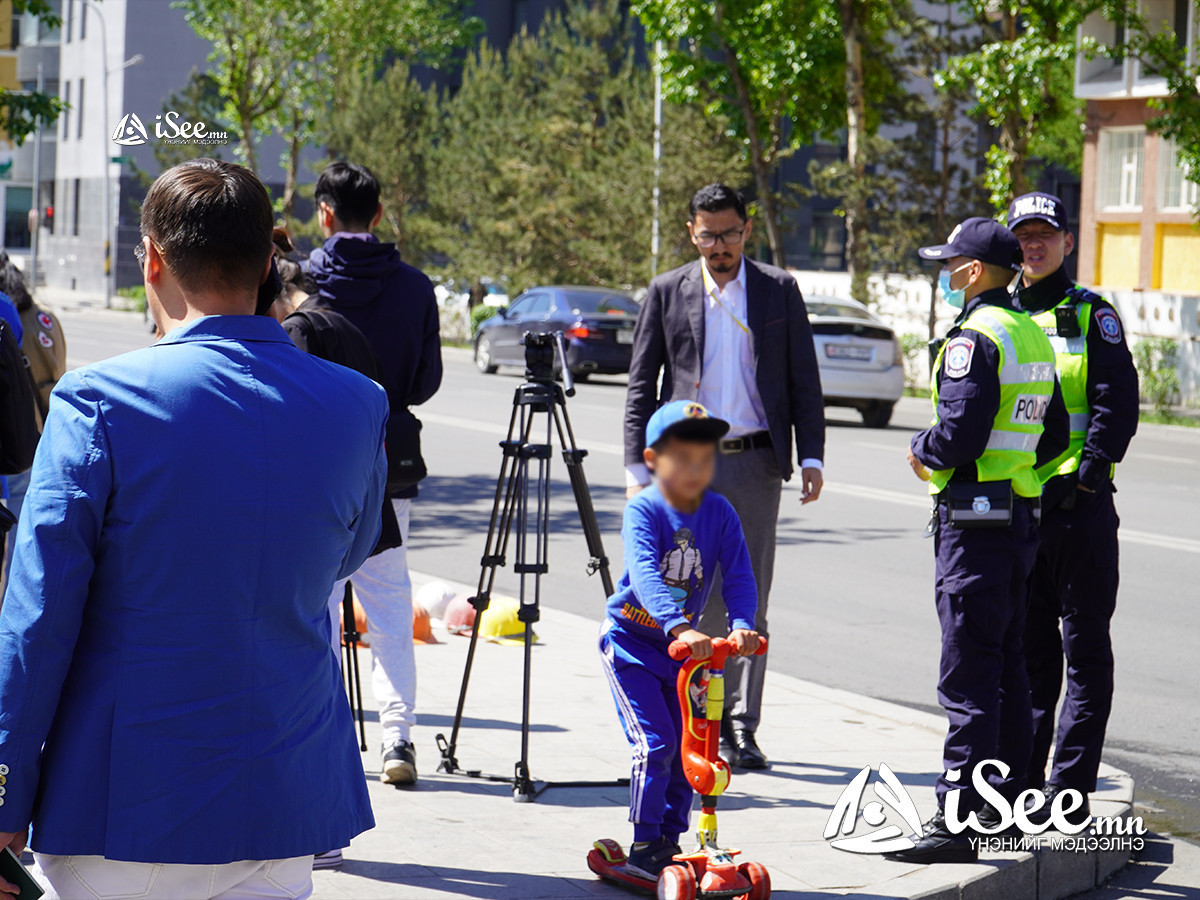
{"x": 680, "y": 564}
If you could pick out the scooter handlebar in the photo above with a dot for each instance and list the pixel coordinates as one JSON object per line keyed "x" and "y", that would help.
{"x": 680, "y": 651}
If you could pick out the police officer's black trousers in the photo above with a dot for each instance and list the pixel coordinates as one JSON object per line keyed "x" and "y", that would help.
{"x": 982, "y": 594}
{"x": 1074, "y": 583}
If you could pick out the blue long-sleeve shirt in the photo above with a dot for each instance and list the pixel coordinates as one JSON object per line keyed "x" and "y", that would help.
{"x": 168, "y": 689}
{"x": 670, "y": 557}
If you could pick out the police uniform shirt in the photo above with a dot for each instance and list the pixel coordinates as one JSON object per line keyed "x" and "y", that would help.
{"x": 1112, "y": 382}
{"x": 969, "y": 398}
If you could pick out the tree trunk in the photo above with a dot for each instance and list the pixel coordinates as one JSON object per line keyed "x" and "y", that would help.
{"x": 760, "y": 165}
{"x": 295, "y": 148}
{"x": 856, "y": 200}
{"x": 246, "y": 126}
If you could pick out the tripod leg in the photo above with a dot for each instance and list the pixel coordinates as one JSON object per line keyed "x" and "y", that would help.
{"x": 352, "y": 637}
{"x": 583, "y": 496}
{"x": 494, "y": 551}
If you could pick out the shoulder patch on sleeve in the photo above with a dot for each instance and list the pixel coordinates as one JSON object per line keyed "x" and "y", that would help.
{"x": 959, "y": 353}
{"x": 1109, "y": 325}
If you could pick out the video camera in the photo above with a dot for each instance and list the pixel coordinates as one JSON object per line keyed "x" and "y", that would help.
{"x": 543, "y": 350}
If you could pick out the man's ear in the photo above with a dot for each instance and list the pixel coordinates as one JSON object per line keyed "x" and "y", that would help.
{"x": 649, "y": 457}
{"x": 746, "y": 233}
{"x": 325, "y": 215}
{"x": 378, "y": 216}
{"x": 154, "y": 261}
{"x": 1068, "y": 244}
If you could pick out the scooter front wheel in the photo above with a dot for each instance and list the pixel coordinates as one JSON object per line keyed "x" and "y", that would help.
{"x": 677, "y": 883}
{"x": 760, "y": 880}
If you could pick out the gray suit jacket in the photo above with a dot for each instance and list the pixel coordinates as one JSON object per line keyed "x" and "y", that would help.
{"x": 670, "y": 339}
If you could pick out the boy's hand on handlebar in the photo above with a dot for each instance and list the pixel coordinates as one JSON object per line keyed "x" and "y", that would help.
{"x": 697, "y": 642}
{"x": 746, "y": 642}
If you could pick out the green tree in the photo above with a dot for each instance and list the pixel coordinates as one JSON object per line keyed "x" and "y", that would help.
{"x": 22, "y": 110}
{"x": 281, "y": 64}
{"x": 391, "y": 124}
{"x": 199, "y": 100}
{"x": 1022, "y": 78}
{"x": 544, "y": 170}
{"x": 775, "y": 69}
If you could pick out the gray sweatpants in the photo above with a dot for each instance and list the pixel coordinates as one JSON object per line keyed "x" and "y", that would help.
{"x": 752, "y": 482}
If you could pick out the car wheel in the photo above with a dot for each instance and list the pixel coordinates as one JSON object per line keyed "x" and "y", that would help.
{"x": 483, "y": 356}
{"x": 878, "y": 414}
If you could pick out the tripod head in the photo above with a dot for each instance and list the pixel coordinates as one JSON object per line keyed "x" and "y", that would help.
{"x": 543, "y": 349}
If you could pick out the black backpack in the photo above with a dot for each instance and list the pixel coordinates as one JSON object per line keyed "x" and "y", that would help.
{"x": 18, "y": 422}
{"x": 328, "y": 334}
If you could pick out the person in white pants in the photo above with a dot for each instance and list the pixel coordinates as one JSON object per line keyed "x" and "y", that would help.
{"x": 384, "y": 589}
{"x": 89, "y": 877}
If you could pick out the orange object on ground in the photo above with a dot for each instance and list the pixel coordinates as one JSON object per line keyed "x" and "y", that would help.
{"x": 422, "y": 629}
{"x": 360, "y": 623}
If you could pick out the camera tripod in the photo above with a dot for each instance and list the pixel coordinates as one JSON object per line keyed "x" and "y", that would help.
{"x": 523, "y": 499}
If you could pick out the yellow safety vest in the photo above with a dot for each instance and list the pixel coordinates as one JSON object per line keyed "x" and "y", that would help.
{"x": 1070, "y": 358}
{"x": 1026, "y": 385}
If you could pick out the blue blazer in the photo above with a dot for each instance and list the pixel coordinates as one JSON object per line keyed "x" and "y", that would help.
{"x": 166, "y": 634}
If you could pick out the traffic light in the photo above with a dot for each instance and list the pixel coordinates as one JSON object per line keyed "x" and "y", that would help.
{"x": 48, "y": 218}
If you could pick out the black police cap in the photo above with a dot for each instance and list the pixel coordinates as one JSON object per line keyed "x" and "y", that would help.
{"x": 978, "y": 238}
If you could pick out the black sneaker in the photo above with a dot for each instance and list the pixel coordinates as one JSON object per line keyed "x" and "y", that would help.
{"x": 649, "y": 859}
{"x": 937, "y": 844}
{"x": 1050, "y": 791}
{"x": 399, "y": 764}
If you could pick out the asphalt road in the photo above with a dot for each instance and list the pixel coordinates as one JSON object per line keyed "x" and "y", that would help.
{"x": 852, "y": 605}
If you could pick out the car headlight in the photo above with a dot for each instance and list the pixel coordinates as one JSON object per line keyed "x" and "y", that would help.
{"x": 898, "y": 357}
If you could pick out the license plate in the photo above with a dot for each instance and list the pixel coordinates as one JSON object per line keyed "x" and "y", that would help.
{"x": 625, "y": 336}
{"x": 848, "y": 351}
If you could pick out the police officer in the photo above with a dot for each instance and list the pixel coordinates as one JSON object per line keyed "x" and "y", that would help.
{"x": 1075, "y": 576}
{"x": 997, "y": 414}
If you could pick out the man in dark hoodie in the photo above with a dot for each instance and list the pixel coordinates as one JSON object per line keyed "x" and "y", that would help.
{"x": 393, "y": 304}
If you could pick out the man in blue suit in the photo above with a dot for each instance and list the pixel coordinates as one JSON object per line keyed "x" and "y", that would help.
{"x": 172, "y": 720}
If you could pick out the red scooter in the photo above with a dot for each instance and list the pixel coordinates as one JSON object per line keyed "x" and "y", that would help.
{"x": 708, "y": 872}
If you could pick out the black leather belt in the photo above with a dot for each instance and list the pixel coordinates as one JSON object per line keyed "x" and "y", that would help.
{"x": 760, "y": 440}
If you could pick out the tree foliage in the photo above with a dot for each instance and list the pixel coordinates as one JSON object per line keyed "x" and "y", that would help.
{"x": 1022, "y": 78}
{"x": 21, "y": 111}
{"x": 544, "y": 170}
{"x": 774, "y": 69}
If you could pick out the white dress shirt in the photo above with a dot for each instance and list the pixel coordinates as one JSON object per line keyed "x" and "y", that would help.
{"x": 728, "y": 375}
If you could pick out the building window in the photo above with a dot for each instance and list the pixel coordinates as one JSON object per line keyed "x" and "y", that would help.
{"x": 67, "y": 21}
{"x": 1177, "y": 190}
{"x": 82, "y": 21}
{"x": 75, "y": 207}
{"x": 79, "y": 118}
{"x": 66, "y": 113}
{"x": 17, "y": 202}
{"x": 1120, "y": 181}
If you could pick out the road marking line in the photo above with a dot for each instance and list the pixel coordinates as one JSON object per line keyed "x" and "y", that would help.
{"x": 500, "y": 431}
{"x": 1161, "y": 458}
{"x": 901, "y": 498}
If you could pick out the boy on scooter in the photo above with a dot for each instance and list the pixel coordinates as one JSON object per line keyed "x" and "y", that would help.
{"x": 674, "y": 531}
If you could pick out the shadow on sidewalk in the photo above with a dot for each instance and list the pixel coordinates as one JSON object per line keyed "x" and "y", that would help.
{"x": 838, "y": 775}
{"x": 439, "y": 720}
{"x": 1147, "y": 877}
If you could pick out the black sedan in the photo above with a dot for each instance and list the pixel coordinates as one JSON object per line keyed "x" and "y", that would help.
{"x": 597, "y": 324}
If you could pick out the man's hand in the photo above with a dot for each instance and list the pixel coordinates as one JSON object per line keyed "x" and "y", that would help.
{"x": 698, "y": 643}
{"x": 917, "y": 466}
{"x": 633, "y": 490}
{"x": 16, "y": 842}
{"x": 746, "y": 642}
{"x": 811, "y": 481}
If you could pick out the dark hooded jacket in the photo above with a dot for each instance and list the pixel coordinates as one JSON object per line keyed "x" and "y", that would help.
{"x": 393, "y": 304}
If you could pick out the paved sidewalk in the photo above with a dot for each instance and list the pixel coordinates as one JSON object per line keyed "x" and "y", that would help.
{"x": 459, "y": 837}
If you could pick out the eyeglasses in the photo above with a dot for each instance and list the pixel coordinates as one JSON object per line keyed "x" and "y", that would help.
{"x": 729, "y": 238}
{"x": 139, "y": 253}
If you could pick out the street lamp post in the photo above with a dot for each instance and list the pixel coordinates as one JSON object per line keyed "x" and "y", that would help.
{"x": 104, "y": 147}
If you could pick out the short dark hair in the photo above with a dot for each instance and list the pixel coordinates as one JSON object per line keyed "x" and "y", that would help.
{"x": 351, "y": 191}
{"x": 716, "y": 197}
{"x": 12, "y": 282}
{"x": 213, "y": 221}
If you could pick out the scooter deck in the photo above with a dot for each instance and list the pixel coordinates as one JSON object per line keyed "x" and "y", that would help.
{"x": 608, "y": 861}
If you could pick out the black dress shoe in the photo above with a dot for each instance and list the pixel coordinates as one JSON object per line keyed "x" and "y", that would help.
{"x": 937, "y": 844}
{"x": 749, "y": 755}
{"x": 989, "y": 818}
{"x": 728, "y": 745}
{"x": 1050, "y": 791}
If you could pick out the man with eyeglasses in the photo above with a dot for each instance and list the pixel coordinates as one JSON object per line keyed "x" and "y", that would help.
{"x": 733, "y": 334}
